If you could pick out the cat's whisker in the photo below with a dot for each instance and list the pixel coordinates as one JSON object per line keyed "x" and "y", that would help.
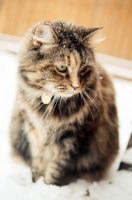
{"x": 101, "y": 96}
{"x": 90, "y": 98}
{"x": 87, "y": 106}
{"x": 60, "y": 106}
{"x": 98, "y": 95}
{"x": 32, "y": 99}
{"x": 51, "y": 106}
{"x": 39, "y": 106}
{"x": 47, "y": 109}
{"x": 54, "y": 106}
{"x": 28, "y": 100}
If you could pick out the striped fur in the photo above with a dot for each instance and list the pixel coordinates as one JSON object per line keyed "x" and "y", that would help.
{"x": 76, "y": 134}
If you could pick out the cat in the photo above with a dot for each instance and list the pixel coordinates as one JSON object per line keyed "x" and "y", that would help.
{"x": 64, "y": 122}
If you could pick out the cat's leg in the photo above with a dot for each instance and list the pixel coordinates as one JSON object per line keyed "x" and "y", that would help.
{"x": 50, "y": 163}
{"x": 18, "y": 137}
{"x": 24, "y": 142}
{"x": 56, "y": 171}
{"x": 60, "y": 170}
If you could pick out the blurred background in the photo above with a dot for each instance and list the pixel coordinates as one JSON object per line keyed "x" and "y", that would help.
{"x": 16, "y": 16}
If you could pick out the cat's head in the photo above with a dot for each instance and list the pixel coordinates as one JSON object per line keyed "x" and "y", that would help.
{"x": 58, "y": 58}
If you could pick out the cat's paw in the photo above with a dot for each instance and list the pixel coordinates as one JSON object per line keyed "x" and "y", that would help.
{"x": 52, "y": 175}
{"x": 35, "y": 176}
{"x": 51, "y": 179}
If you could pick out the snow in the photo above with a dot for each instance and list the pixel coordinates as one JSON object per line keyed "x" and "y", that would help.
{"x": 15, "y": 177}
{"x": 128, "y": 156}
{"x": 16, "y": 184}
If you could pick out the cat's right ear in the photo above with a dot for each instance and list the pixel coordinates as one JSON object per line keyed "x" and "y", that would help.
{"x": 91, "y": 36}
{"x": 44, "y": 36}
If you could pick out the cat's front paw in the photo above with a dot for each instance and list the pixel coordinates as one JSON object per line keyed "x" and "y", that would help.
{"x": 52, "y": 175}
{"x": 35, "y": 176}
{"x": 51, "y": 179}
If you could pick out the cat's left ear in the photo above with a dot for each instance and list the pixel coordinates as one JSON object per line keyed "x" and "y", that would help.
{"x": 91, "y": 36}
{"x": 44, "y": 35}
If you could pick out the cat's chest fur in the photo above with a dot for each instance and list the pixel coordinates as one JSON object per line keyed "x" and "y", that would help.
{"x": 46, "y": 129}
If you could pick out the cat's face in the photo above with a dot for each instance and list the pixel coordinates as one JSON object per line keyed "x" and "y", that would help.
{"x": 58, "y": 59}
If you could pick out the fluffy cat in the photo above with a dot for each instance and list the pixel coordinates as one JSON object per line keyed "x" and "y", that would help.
{"x": 64, "y": 121}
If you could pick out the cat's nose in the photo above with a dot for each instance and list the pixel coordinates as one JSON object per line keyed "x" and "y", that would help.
{"x": 75, "y": 87}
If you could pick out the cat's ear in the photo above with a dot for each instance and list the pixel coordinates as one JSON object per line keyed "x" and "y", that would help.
{"x": 92, "y": 37}
{"x": 44, "y": 35}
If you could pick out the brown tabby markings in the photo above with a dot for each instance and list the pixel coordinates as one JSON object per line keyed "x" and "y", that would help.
{"x": 76, "y": 134}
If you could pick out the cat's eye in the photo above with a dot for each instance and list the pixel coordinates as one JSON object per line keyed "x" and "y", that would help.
{"x": 61, "y": 68}
{"x": 86, "y": 70}
{"x": 83, "y": 70}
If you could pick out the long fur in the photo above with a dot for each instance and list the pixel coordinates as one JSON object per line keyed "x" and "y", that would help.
{"x": 76, "y": 134}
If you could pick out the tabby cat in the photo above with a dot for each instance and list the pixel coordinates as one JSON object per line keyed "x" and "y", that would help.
{"x": 64, "y": 121}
